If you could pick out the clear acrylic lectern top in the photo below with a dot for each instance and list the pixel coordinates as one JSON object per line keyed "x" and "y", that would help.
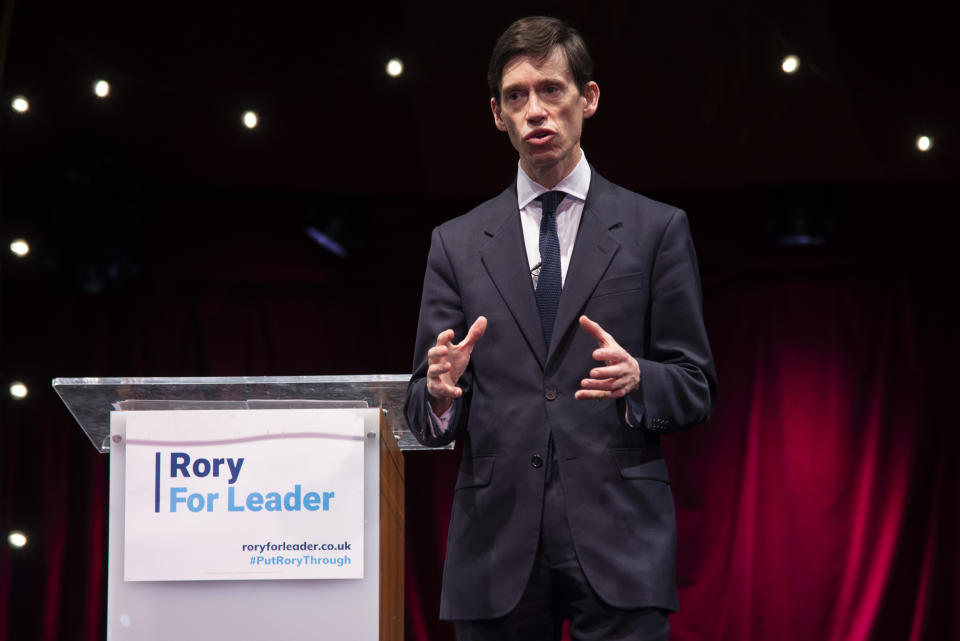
{"x": 91, "y": 400}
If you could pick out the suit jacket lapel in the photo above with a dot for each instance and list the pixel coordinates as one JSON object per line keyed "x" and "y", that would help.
{"x": 594, "y": 249}
{"x": 505, "y": 259}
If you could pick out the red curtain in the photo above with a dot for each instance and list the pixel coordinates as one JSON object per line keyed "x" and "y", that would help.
{"x": 820, "y": 500}
{"x": 819, "y": 503}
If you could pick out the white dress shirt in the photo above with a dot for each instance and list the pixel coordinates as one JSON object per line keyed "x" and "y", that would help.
{"x": 575, "y": 185}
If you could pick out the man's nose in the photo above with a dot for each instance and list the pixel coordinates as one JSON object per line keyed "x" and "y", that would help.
{"x": 535, "y": 108}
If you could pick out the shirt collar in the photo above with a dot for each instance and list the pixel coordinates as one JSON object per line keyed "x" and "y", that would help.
{"x": 576, "y": 184}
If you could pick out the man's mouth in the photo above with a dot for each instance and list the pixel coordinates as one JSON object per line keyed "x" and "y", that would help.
{"x": 539, "y": 136}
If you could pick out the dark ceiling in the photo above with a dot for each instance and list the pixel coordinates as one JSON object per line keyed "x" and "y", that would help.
{"x": 691, "y": 94}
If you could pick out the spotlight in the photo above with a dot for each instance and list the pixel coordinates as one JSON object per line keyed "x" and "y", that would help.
{"x": 18, "y": 390}
{"x": 250, "y": 119}
{"x": 924, "y": 143}
{"x": 20, "y": 104}
{"x": 101, "y": 88}
{"x": 790, "y": 64}
{"x": 17, "y": 539}
{"x": 326, "y": 242}
{"x": 20, "y": 247}
{"x": 394, "y": 67}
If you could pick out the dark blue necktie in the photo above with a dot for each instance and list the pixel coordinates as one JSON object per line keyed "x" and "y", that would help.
{"x": 549, "y": 282}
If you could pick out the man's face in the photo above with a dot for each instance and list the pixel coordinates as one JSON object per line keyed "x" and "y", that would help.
{"x": 542, "y": 110}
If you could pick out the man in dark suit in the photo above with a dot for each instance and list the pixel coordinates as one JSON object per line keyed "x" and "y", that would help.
{"x": 576, "y": 307}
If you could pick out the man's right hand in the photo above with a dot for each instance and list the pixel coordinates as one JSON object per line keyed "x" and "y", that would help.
{"x": 447, "y": 362}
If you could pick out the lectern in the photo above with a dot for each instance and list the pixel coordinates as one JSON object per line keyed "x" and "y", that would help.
{"x": 251, "y": 607}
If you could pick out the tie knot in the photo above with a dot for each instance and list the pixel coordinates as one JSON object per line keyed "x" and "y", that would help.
{"x": 551, "y": 200}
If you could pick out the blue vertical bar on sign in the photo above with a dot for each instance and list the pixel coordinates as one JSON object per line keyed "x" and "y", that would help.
{"x": 156, "y": 485}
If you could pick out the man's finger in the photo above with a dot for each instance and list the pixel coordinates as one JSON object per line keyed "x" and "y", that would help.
{"x": 595, "y": 330}
{"x": 436, "y": 352}
{"x": 610, "y": 383}
{"x": 610, "y": 355}
{"x": 598, "y": 383}
{"x": 599, "y": 395}
{"x": 438, "y": 369}
{"x": 590, "y": 395}
{"x": 444, "y": 337}
{"x": 613, "y": 371}
{"x": 440, "y": 390}
{"x": 474, "y": 333}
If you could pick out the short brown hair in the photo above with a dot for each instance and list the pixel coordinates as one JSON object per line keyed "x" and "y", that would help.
{"x": 537, "y": 36}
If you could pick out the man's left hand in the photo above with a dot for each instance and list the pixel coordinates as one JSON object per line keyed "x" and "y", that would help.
{"x": 619, "y": 377}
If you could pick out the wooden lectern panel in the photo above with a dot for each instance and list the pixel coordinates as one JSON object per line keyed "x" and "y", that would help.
{"x": 392, "y": 523}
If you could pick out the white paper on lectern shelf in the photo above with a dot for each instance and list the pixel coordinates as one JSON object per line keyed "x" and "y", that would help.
{"x": 244, "y": 494}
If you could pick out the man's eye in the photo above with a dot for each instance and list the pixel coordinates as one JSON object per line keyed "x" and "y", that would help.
{"x": 513, "y": 95}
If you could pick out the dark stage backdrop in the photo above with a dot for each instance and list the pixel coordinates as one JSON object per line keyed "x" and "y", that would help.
{"x": 819, "y": 502}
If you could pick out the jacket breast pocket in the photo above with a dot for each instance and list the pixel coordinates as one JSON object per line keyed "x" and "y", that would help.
{"x": 619, "y": 285}
{"x": 475, "y": 472}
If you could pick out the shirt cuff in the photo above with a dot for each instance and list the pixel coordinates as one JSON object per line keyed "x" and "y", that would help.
{"x": 440, "y": 424}
{"x": 635, "y": 411}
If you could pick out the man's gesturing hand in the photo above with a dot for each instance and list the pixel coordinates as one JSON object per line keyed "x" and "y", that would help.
{"x": 447, "y": 362}
{"x": 621, "y": 374}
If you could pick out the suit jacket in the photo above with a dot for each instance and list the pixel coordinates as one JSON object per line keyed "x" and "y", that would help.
{"x": 634, "y": 271}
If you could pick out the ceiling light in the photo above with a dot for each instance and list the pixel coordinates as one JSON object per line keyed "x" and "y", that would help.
{"x": 20, "y": 247}
{"x": 17, "y": 539}
{"x": 790, "y": 64}
{"x": 101, "y": 88}
{"x": 20, "y": 104}
{"x": 18, "y": 390}
{"x": 250, "y": 119}
{"x": 924, "y": 143}
{"x": 394, "y": 67}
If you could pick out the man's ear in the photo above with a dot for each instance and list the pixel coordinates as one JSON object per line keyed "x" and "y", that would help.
{"x": 591, "y": 94}
{"x": 497, "y": 115}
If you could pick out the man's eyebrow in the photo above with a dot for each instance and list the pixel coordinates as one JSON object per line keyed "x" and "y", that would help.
{"x": 539, "y": 83}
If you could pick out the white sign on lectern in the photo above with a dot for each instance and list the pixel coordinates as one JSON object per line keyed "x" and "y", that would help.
{"x": 244, "y": 494}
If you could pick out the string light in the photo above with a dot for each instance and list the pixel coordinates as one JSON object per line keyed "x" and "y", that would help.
{"x": 19, "y": 247}
{"x": 790, "y": 64}
{"x": 17, "y": 539}
{"x": 18, "y": 390}
{"x": 394, "y": 67}
{"x": 20, "y": 104}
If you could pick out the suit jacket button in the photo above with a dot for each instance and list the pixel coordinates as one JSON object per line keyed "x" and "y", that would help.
{"x": 536, "y": 461}
{"x": 550, "y": 393}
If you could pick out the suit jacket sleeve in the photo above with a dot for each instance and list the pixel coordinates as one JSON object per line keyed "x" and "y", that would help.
{"x": 440, "y": 309}
{"x": 678, "y": 375}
